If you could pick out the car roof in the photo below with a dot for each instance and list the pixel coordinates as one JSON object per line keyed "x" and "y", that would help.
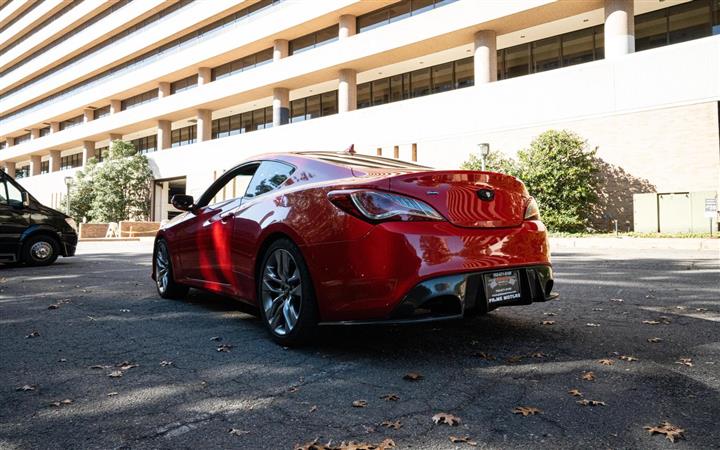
{"x": 357, "y": 160}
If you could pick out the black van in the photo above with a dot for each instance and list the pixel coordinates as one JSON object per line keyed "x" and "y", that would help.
{"x": 30, "y": 232}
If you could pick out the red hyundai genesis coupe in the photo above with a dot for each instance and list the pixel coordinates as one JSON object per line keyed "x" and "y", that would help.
{"x": 316, "y": 238}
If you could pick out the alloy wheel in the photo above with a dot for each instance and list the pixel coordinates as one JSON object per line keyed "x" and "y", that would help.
{"x": 162, "y": 267}
{"x": 281, "y": 292}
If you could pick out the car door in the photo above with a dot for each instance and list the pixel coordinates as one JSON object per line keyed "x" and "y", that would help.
{"x": 203, "y": 241}
{"x": 249, "y": 219}
{"x": 14, "y": 219}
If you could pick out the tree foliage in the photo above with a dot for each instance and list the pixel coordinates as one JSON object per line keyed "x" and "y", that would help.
{"x": 559, "y": 171}
{"x": 114, "y": 190}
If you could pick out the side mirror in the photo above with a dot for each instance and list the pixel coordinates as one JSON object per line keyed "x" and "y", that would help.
{"x": 25, "y": 199}
{"x": 183, "y": 202}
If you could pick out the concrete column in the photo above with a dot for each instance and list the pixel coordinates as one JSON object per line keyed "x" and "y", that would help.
{"x": 88, "y": 115}
{"x": 35, "y": 163}
{"x": 347, "y": 90}
{"x": 163, "y": 134}
{"x": 396, "y": 152}
{"x": 54, "y": 127}
{"x": 115, "y": 106}
{"x": 114, "y": 137}
{"x": 34, "y": 133}
{"x": 619, "y": 28}
{"x": 204, "y": 125}
{"x": 485, "y": 57}
{"x": 281, "y": 49}
{"x": 378, "y": 151}
{"x": 10, "y": 168}
{"x": 414, "y": 152}
{"x": 281, "y": 106}
{"x": 54, "y": 161}
{"x": 163, "y": 89}
{"x": 88, "y": 151}
{"x": 348, "y": 26}
{"x": 204, "y": 75}
{"x": 10, "y": 141}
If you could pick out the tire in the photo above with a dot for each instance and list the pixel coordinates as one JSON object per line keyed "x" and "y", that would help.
{"x": 164, "y": 276}
{"x": 286, "y": 297}
{"x": 40, "y": 250}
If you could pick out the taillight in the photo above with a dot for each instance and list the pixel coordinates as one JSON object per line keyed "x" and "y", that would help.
{"x": 532, "y": 212}
{"x": 378, "y": 206}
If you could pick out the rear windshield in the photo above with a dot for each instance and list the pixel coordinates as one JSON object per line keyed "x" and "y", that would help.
{"x": 373, "y": 162}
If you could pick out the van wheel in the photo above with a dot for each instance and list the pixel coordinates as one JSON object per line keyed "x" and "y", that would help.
{"x": 40, "y": 250}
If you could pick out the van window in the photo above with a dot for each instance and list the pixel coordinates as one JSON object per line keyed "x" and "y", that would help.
{"x": 13, "y": 195}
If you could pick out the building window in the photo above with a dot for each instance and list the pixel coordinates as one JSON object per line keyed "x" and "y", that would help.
{"x": 319, "y": 105}
{"x": 22, "y": 172}
{"x": 44, "y": 167}
{"x": 44, "y": 131}
{"x": 22, "y": 138}
{"x": 242, "y": 123}
{"x": 101, "y": 153}
{"x": 546, "y": 54}
{"x": 242, "y": 64}
{"x": 396, "y": 11}
{"x": 140, "y": 99}
{"x": 680, "y": 23}
{"x": 183, "y": 136}
{"x": 183, "y": 84}
{"x": 314, "y": 40}
{"x": 72, "y": 122}
{"x": 99, "y": 113}
{"x": 3, "y": 144}
{"x": 71, "y": 161}
{"x": 147, "y": 144}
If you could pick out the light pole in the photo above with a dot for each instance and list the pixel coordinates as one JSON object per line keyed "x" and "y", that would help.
{"x": 68, "y": 183}
{"x": 484, "y": 152}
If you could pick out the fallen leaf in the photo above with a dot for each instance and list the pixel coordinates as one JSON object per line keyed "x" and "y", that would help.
{"x": 651, "y": 322}
{"x": 526, "y": 410}
{"x": 463, "y": 440}
{"x": 616, "y": 300}
{"x": 53, "y": 306}
{"x": 575, "y": 393}
{"x": 483, "y": 355}
{"x": 395, "y": 425}
{"x": 627, "y": 358}
{"x": 606, "y": 362}
{"x": 216, "y": 338}
{"x": 550, "y": 314}
{"x": 548, "y": 322}
{"x": 125, "y": 310}
{"x": 654, "y": 340}
{"x": 57, "y": 404}
{"x": 390, "y": 397}
{"x": 99, "y": 366}
{"x": 225, "y": 348}
{"x": 412, "y": 376}
{"x": 700, "y": 309}
{"x": 292, "y": 389}
{"x": 111, "y": 394}
{"x": 685, "y": 362}
{"x": 514, "y": 359}
{"x": 447, "y": 419}
{"x": 538, "y": 355}
{"x": 592, "y": 324}
{"x": 236, "y": 432}
{"x": 166, "y": 363}
{"x": 598, "y": 309}
{"x": 360, "y": 403}
{"x": 670, "y": 431}
{"x": 586, "y": 402}
{"x": 26, "y": 387}
{"x": 62, "y": 360}
{"x": 352, "y": 445}
{"x": 126, "y": 365}
{"x": 115, "y": 374}
{"x": 588, "y": 376}
{"x": 32, "y": 334}
{"x": 313, "y": 408}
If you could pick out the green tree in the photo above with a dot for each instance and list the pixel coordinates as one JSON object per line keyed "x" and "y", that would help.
{"x": 117, "y": 189}
{"x": 559, "y": 171}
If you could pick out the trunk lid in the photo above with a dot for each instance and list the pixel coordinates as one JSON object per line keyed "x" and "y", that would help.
{"x": 467, "y": 198}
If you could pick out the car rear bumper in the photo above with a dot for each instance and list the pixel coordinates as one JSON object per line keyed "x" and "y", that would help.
{"x": 377, "y": 276}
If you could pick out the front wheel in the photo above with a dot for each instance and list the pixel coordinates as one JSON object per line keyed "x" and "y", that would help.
{"x": 164, "y": 278}
{"x": 40, "y": 251}
{"x": 285, "y": 293}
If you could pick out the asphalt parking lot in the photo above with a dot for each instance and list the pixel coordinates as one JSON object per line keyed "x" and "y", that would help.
{"x": 90, "y": 357}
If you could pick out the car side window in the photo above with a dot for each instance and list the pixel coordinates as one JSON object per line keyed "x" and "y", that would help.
{"x": 3, "y": 192}
{"x": 233, "y": 187}
{"x": 14, "y": 195}
{"x": 269, "y": 176}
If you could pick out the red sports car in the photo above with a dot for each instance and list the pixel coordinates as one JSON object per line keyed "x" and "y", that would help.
{"x": 317, "y": 238}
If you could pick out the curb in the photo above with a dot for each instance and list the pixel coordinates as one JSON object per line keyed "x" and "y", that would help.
{"x": 635, "y": 243}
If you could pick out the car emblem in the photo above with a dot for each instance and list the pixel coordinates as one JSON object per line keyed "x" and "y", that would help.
{"x": 486, "y": 194}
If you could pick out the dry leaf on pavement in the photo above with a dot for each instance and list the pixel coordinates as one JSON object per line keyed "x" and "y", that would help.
{"x": 685, "y": 362}
{"x": 216, "y": 338}
{"x": 313, "y": 408}
{"x": 412, "y": 376}
{"x": 236, "y": 432}
{"x": 32, "y": 334}
{"x": 514, "y": 359}
{"x": 654, "y": 340}
{"x": 588, "y": 376}
{"x": 606, "y": 362}
{"x": 586, "y": 402}
{"x": 390, "y": 397}
{"x": 26, "y": 387}
{"x": 387, "y": 444}
{"x": 616, "y": 300}
{"x": 360, "y": 403}
{"x": 462, "y": 440}
{"x": 548, "y": 322}
{"x": 224, "y": 348}
{"x": 57, "y": 404}
{"x": 392, "y": 424}
{"x": 111, "y": 394}
{"x": 670, "y": 431}
{"x": 447, "y": 419}
{"x": 115, "y": 374}
{"x": 126, "y": 365}
{"x": 483, "y": 355}
{"x": 592, "y": 324}
{"x": 526, "y": 410}
{"x": 538, "y": 355}
{"x": 166, "y": 363}
{"x": 575, "y": 393}
{"x": 627, "y": 358}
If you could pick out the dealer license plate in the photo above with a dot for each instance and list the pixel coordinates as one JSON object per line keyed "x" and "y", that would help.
{"x": 502, "y": 286}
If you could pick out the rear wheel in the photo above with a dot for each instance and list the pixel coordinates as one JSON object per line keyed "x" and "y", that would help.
{"x": 40, "y": 250}
{"x": 164, "y": 278}
{"x": 285, "y": 293}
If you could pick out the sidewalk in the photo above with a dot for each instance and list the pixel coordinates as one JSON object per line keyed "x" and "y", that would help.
{"x": 557, "y": 243}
